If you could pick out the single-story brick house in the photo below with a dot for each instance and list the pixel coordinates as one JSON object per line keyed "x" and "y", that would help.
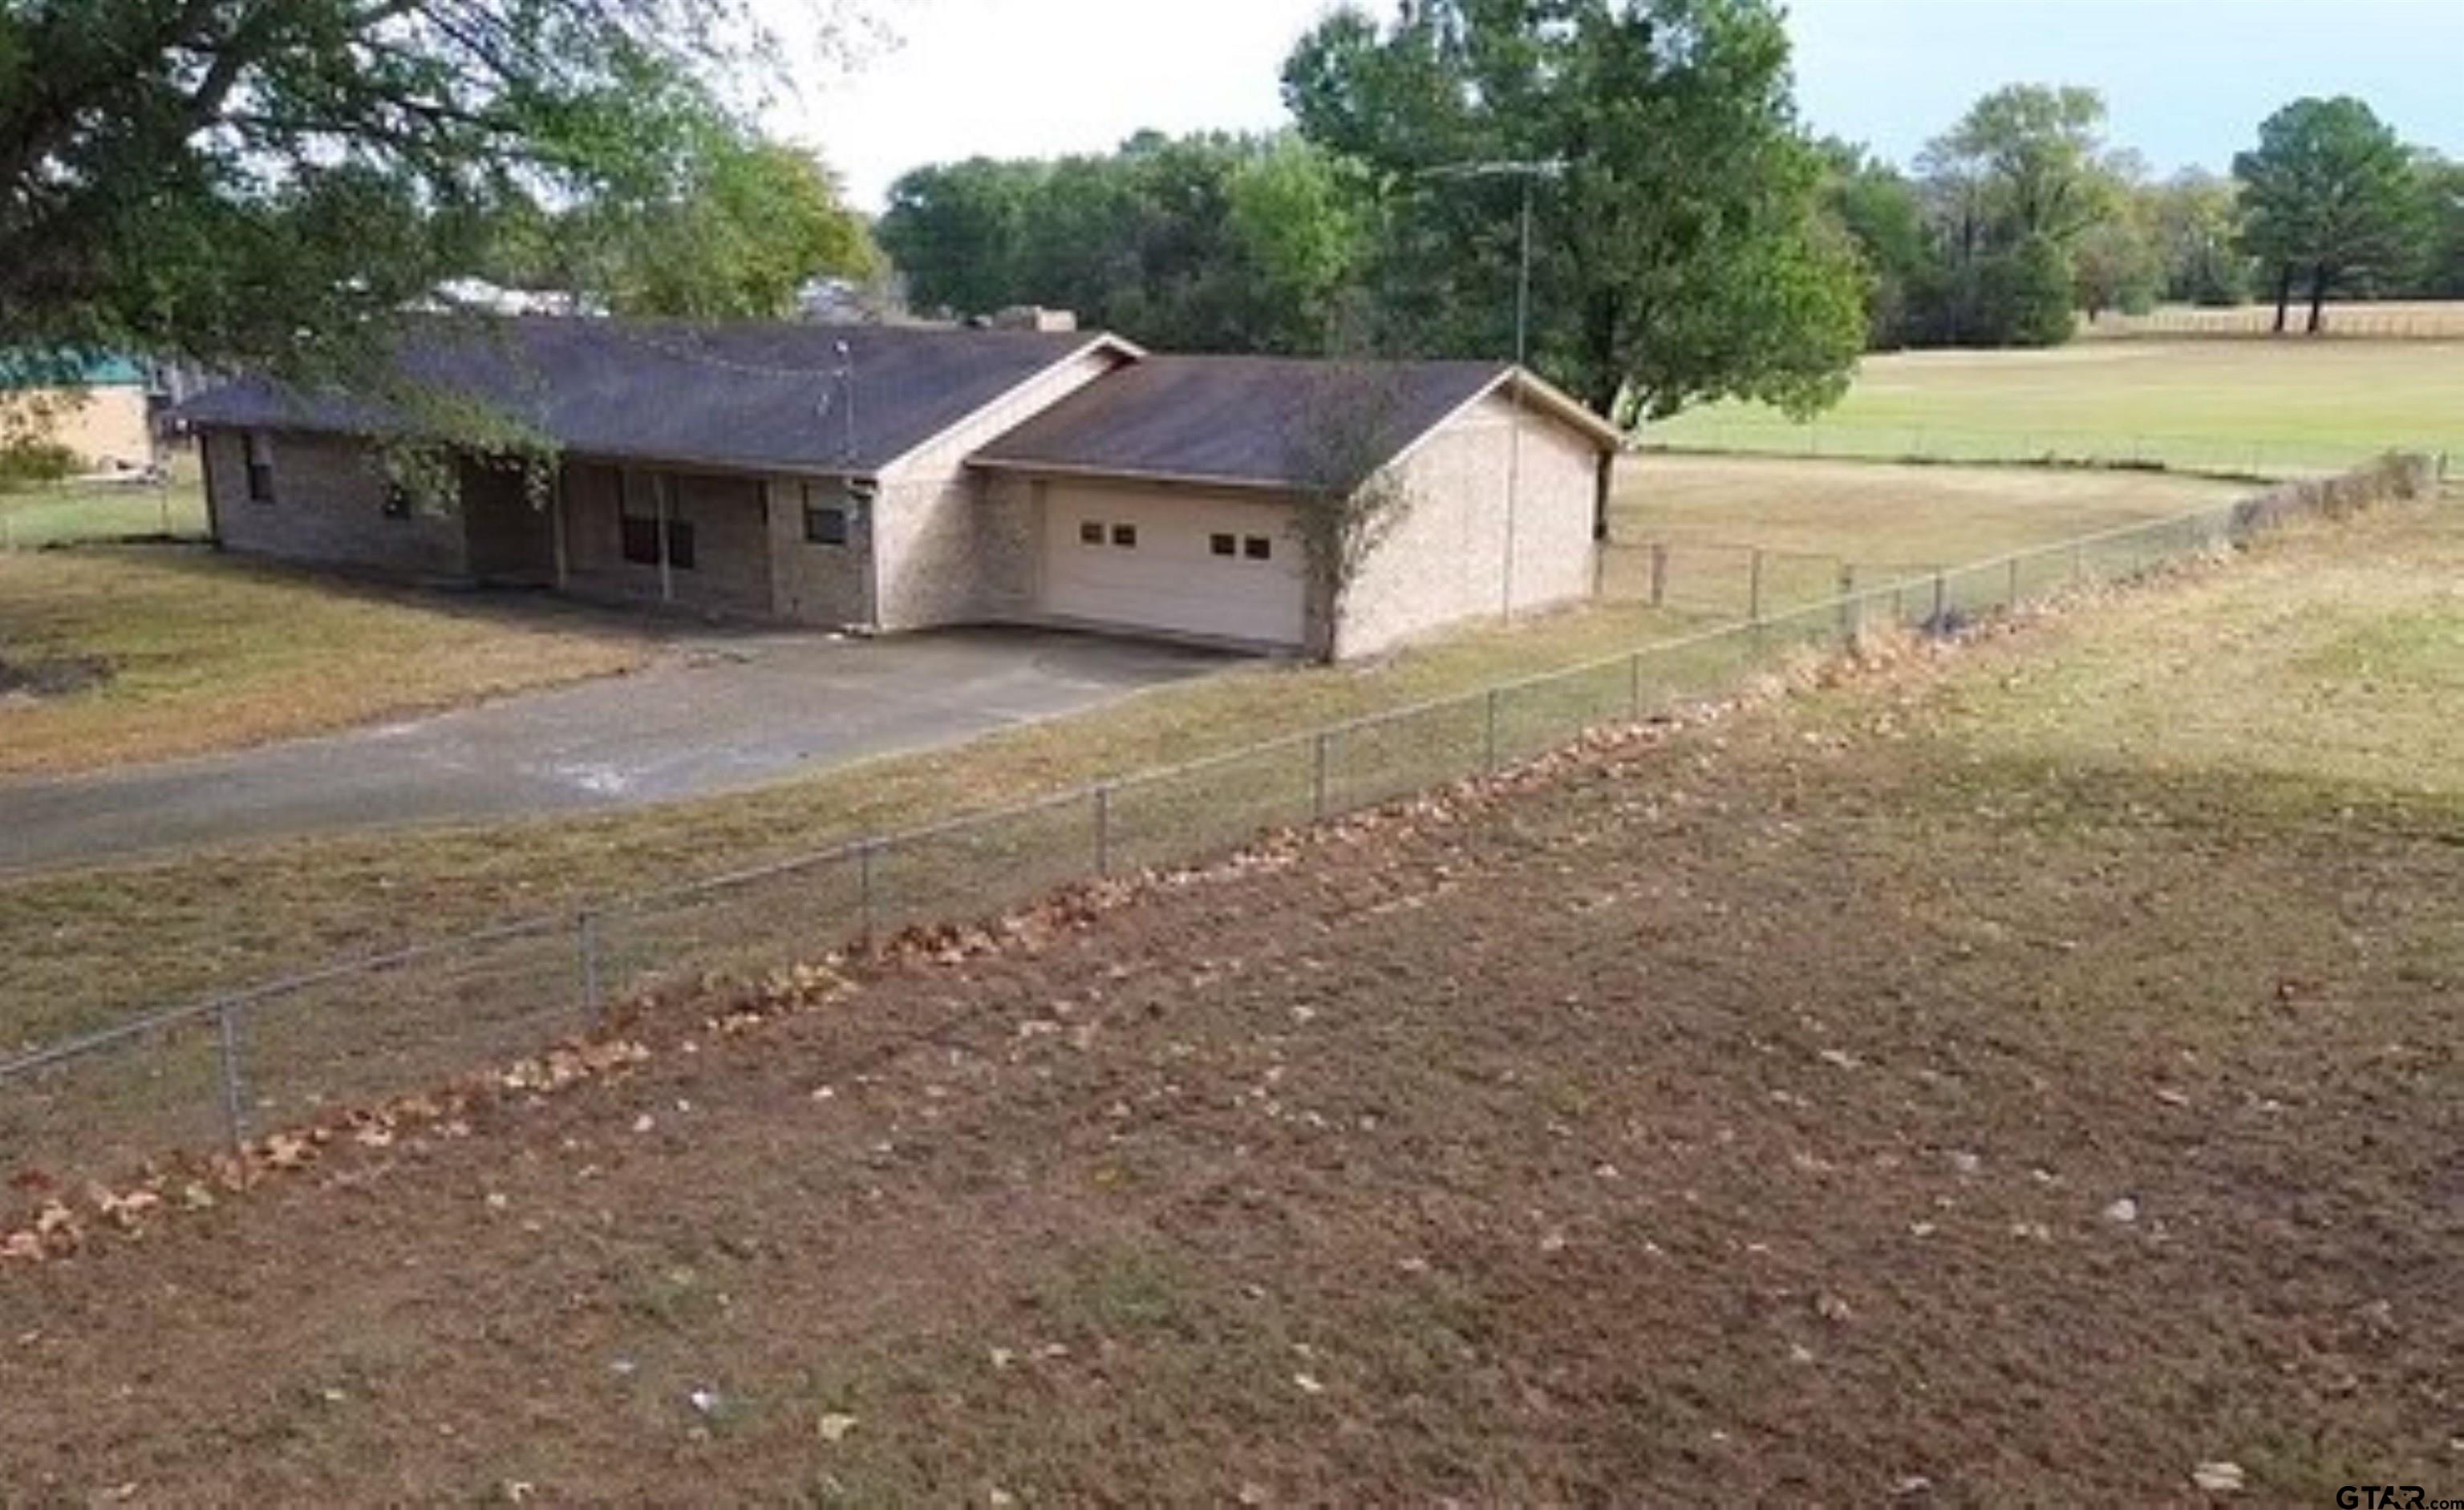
{"x": 886, "y": 478}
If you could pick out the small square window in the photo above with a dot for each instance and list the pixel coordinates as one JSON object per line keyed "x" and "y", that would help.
{"x": 1258, "y": 547}
{"x": 1089, "y": 532}
{"x": 1126, "y": 536}
{"x": 1224, "y": 545}
{"x": 826, "y": 524}
{"x": 259, "y": 453}
{"x": 681, "y": 544}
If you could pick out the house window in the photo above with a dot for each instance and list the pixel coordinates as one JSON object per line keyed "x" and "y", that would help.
{"x": 1126, "y": 536}
{"x": 1224, "y": 545}
{"x": 1258, "y": 547}
{"x": 647, "y": 498}
{"x": 259, "y": 447}
{"x": 1089, "y": 532}
{"x": 397, "y": 502}
{"x": 830, "y": 515}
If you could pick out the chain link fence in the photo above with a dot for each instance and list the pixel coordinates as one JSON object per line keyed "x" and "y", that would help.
{"x": 2213, "y": 455}
{"x": 228, "y": 1069}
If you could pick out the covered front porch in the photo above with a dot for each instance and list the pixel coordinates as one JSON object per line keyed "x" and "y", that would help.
{"x": 731, "y": 546}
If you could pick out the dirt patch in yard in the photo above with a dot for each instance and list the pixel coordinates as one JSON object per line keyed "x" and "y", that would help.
{"x": 1827, "y": 1108}
{"x": 27, "y": 678}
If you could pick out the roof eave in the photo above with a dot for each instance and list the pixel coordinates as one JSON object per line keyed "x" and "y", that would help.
{"x": 1099, "y": 340}
{"x": 1027, "y": 466}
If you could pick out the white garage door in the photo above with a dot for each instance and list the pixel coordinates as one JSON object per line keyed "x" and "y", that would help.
{"x": 1227, "y": 568}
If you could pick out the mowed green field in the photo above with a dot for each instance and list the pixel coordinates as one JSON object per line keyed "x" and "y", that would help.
{"x": 60, "y": 514}
{"x": 2262, "y": 407}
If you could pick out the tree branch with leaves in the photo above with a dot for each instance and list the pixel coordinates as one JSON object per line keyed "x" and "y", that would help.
{"x": 1349, "y": 502}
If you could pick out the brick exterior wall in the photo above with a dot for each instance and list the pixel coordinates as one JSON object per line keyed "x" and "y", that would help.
{"x": 731, "y": 572}
{"x": 1445, "y": 562}
{"x": 945, "y": 550}
{"x": 328, "y": 507}
{"x": 813, "y": 583}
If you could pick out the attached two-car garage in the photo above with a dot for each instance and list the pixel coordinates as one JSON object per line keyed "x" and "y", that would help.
{"x": 1162, "y": 498}
{"x": 1220, "y": 566}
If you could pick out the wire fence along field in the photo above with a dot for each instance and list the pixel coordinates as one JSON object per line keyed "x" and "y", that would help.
{"x": 2217, "y": 455}
{"x": 2420, "y": 319}
{"x": 82, "y": 512}
{"x": 1737, "y": 580}
{"x": 226, "y": 1070}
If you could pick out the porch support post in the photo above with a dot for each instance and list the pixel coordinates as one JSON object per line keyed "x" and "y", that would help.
{"x": 661, "y": 484}
{"x": 556, "y": 507}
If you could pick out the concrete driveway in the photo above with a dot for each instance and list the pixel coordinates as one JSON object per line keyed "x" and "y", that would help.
{"x": 727, "y": 713}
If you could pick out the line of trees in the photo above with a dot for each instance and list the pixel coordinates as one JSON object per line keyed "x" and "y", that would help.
{"x": 1670, "y": 220}
{"x": 1679, "y": 251}
{"x": 2021, "y": 215}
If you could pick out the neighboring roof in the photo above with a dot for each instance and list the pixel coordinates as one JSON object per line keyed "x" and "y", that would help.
{"x": 741, "y": 395}
{"x": 21, "y": 369}
{"x": 1261, "y": 422}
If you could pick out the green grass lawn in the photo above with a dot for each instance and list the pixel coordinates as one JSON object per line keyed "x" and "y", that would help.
{"x": 2264, "y": 407}
{"x": 61, "y": 514}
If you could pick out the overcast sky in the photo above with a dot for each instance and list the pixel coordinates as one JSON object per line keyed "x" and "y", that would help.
{"x": 2189, "y": 81}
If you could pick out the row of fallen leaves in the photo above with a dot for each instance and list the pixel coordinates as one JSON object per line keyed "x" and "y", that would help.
{"x": 67, "y": 1222}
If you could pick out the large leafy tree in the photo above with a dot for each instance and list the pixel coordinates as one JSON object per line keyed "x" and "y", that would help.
{"x": 956, "y": 231}
{"x": 1208, "y": 242}
{"x": 2442, "y": 193}
{"x": 2013, "y": 189}
{"x": 1679, "y": 252}
{"x": 2329, "y": 195}
{"x": 1883, "y": 216}
{"x": 2197, "y": 224}
{"x": 273, "y": 181}
{"x": 748, "y": 224}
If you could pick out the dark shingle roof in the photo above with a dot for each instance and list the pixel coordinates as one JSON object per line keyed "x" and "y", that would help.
{"x": 747, "y": 395}
{"x": 1248, "y": 421}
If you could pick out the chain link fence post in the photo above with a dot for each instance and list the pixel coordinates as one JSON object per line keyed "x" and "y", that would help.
{"x": 1491, "y": 703}
{"x": 1851, "y": 612}
{"x": 1754, "y": 586}
{"x": 235, "y": 1094}
{"x": 1317, "y": 773}
{"x": 1659, "y": 574}
{"x": 1633, "y": 687}
{"x": 864, "y": 863}
{"x": 1104, "y": 831}
{"x": 585, "y": 947}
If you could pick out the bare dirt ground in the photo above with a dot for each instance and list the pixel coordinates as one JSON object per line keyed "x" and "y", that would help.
{"x": 1855, "y": 1101}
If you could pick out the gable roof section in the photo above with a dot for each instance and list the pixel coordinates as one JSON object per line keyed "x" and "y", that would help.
{"x": 1260, "y": 421}
{"x": 739, "y": 395}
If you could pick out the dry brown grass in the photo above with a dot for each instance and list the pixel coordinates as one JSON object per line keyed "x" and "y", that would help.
{"x": 204, "y": 652}
{"x": 1744, "y": 1117}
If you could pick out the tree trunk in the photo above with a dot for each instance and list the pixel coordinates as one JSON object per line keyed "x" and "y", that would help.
{"x": 2318, "y": 298}
{"x": 2283, "y": 295}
